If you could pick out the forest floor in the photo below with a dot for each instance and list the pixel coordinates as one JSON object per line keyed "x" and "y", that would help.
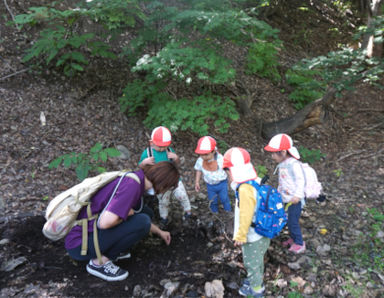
{"x": 342, "y": 233}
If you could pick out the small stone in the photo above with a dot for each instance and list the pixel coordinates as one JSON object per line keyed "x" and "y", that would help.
{"x": 281, "y": 283}
{"x": 214, "y": 289}
{"x": 294, "y": 265}
{"x": 233, "y": 285}
{"x": 380, "y": 234}
{"x": 4, "y": 241}
{"x": 170, "y": 288}
{"x": 125, "y": 153}
{"x": 323, "y": 250}
{"x": 136, "y": 291}
{"x": 13, "y": 263}
{"x": 308, "y": 290}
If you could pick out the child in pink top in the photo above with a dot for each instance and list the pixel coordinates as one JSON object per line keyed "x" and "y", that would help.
{"x": 291, "y": 186}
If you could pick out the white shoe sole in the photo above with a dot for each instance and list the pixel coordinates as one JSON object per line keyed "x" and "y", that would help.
{"x": 107, "y": 278}
{"x": 126, "y": 256}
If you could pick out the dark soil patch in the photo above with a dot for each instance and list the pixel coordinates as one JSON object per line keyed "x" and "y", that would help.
{"x": 190, "y": 260}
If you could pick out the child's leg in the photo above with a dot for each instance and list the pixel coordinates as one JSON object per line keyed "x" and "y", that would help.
{"x": 223, "y": 194}
{"x": 213, "y": 198}
{"x": 294, "y": 212}
{"x": 164, "y": 200}
{"x": 181, "y": 194}
{"x": 253, "y": 258}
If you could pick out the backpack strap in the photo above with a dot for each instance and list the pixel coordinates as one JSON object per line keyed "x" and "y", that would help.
{"x": 257, "y": 187}
{"x": 149, "y": 151}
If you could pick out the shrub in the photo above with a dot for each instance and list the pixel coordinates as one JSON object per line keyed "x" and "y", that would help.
{"x": 201, "y": 114}
{"x": 262, "y": 60}
{"x": 306, "y": 87}
{"x": 310, "y": 156}
{"x": 86, "y": 162}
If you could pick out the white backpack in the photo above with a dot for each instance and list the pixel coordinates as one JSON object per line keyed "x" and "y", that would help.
{"x": 62, "y": 211}
{"x": 313, "y": 187}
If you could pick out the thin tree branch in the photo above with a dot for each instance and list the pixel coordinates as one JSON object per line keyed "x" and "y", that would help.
{"x": 13, "y": 74}
{"x": 10, "y": 12}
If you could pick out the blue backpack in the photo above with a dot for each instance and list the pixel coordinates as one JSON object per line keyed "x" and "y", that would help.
{"x": 269, "y": 218}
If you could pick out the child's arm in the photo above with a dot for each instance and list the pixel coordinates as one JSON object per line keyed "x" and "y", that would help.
{"x": 145, "y": 160}
{"x": 247, "y": 206}
{"x": 197, "y": 180}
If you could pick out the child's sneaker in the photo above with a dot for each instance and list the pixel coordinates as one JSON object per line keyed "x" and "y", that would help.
{"x": 108, "y": 271}
{"x": 288, "y": 242}
{"x": 247, "y": 290}
{"x": 163, "y": 223}
{"x": 297, "y": 249}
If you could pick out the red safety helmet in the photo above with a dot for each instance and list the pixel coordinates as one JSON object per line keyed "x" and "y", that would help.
{"x": 205, "y": 145}
{"x": 161, "y": 136}
{"x": 238, "y": 161}
{"x": 281, "y": 142}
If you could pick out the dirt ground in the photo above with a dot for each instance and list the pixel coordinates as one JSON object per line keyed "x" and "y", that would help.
{"x": 83, "y": 111}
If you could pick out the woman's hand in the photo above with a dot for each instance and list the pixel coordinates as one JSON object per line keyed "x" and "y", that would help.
{"x": 197, "y": 186}
{"x": 166, "y": 236}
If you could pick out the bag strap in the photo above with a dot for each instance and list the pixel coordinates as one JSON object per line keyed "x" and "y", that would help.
{"x": 257, "y": 187}
{"x": 127, "y": 174}
{"x": 149, "y": 151}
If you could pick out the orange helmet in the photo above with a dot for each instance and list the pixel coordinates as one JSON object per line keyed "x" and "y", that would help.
{"x": 205, "y": 145}
{"x": 161, "y": 136}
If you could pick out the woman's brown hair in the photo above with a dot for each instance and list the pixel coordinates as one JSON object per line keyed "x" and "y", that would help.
{"x": 164, "y": 175}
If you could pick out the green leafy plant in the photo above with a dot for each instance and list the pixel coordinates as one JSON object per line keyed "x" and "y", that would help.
{"x": 186, "y": 64}
{"x": 261, "y": 171}
{"x": 223, "y": 146}
{"x": 115, "y": 14}
{"x": 262, "y": 60}
{"x": 306, "y": 87}
{"x": 50, "y": 44}
{"x": 338, "y": 172}
{"x": 137, "y": 94}
{"x": 339, "y": 69}
{"x": 59, "y": 44}
{"x": 86, "y": 162}
{"x": 201, "y": 114}
{"x": 368, "y": 252}
{"x": 310, "y": 156}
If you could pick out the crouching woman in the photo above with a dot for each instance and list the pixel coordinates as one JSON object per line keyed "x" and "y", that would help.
{"x": 123, "y": 220}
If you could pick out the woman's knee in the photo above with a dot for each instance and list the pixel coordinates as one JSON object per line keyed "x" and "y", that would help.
{"x": 143, "y": 221}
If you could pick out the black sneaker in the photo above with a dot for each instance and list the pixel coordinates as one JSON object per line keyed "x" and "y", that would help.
{"x": 163, "y": 223}
{"x": 108, "y": 271}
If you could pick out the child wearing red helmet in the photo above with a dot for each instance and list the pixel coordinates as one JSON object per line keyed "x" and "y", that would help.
{"x": 210, "y": 166}
{"x": 291, "y": 186}
{"x": 253, "y": 245}
{"x": 158, "y": 151}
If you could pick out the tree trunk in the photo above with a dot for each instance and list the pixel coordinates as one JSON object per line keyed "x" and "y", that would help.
{"x": 373, "y": 10}
{"x": 311, "y": 115}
